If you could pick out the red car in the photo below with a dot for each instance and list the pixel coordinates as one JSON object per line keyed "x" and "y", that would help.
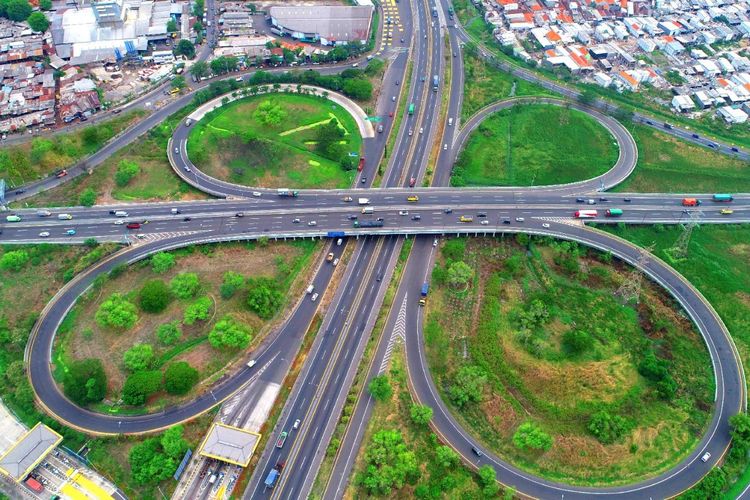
{"x": 412, "y": 181}
{"x": 133, "y": 225}
{"x": 390, "y": 114}
{"x": 61, "y": 173}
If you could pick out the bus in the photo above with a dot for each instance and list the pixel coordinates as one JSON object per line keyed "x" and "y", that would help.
{"x": 723, "y": 197}
{"x": 411, "y": 108}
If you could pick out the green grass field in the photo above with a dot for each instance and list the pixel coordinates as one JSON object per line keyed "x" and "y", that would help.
{"x": 668, "y": 164}
{"x": 510, "y": 148}
{"x": 484, "y": 85}
{"x": 278, "y": 155}
{"x": 514, "y": 322}
{"x": 717, "y": 266}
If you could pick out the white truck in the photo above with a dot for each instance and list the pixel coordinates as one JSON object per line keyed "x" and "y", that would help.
{"x": 364, "y": 201}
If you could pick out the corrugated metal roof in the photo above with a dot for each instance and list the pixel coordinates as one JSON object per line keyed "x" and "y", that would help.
{"x": 334, "y": 22}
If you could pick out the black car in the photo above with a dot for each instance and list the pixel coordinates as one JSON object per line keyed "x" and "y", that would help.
{"x": 112, "y": 212}
{"x": 448, "y": 211}
{"x": 364, "y": 179}
{"x": 580, "y": 200}
{"x": 603, "y": 199}
{"x": 239, "y": 214}
{"x": 482, "y": 214}
{"x": 506, "y": 221}
{"x": 416, "y": 217}
{"x": 695, "y": 136}
{"x": 735, "y": 150}
{"x": 186, "y": 219}
{"x": 20, "y": 191}
{"x": 626, "y": 200}
{"x": 477, "y": 451}
{"x": 352, "y": 217}
{"x": 379, "y": 219}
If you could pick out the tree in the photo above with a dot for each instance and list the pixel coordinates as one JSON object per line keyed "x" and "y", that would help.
{"x": 577, "y": 341}
{"x": 169, "y": 333}
{"x": 186, "y": 48}
{"x": 185, "y": 285}
{"x": 390, "y": 464}
{"x": 172, "y": 442}
{"x": 199, "y": 69}
{"x": 229, "y": 333}
{"x": 420, "y": 414}
{"x": 45, "y": 4}
{"x": 740, "y": 424}
{"x": 38, "y": 22}
{"x": 467, "y": 386}
{"x": 607, "y": 428}
{"x": 357, "y": 88}
{"x": 171, "y": 26}
{"x": 264, "y": 297}
{"x": 162, "y": 262}
{"x": 327, "y": 139}
{"x": 269, "y": 113}
{"x": 231, "y": 282}
{"x": 139, "y": 357}
{"x": 487, "y": 479}
{"x": 180, "y": 377}
{"x": 197, "y": 27}
{"x": 224, "y": 64}
{"x": 155, "y": 296}
{"x": 197, "y": 311}
{"x": 126, "y": 170}
{"x": 380, "y": 388}
{"x": 116, "y": 312}
{"x": 459, "y": 274}
{"x": 531, "y": 436}
{"x": 198, "y": 8}
{"x": 18, "y": 10}
{"x": 87, "y": 197}
{"x": 85, "y": 381}
{"x": 445, "y": 456}
{"x": 374, "y": 67}
{"x": 178, "y": 82}
{"x": 139, "y": 386}
{"x": 588, "y": 97}
{"x": 149, "y": 464}
{"x": 14, "y": 260}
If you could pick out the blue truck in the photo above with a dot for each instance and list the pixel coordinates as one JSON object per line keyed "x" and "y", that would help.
{"x": 336, "y": 234}
{"x": 423, "y": 297}
{"x": 368, "y": 223}
{"x": 273, "y": 475}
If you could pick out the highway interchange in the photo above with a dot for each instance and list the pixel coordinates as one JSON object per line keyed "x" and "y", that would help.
{"x": 325, "y": 379}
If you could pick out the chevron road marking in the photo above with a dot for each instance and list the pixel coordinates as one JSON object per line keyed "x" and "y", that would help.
{"x": 398, "y": 335}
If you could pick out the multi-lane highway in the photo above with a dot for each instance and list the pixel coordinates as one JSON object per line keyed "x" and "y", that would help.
{"x": 325, "y": 379}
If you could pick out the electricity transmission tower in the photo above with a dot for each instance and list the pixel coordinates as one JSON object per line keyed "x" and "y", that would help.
{"x": 680, "y": 248}
{"x": 630, "y": 289}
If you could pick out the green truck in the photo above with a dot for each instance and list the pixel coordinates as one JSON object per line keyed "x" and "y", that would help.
{"x": 613, "y": 212}
{"x": 411, "y": 108}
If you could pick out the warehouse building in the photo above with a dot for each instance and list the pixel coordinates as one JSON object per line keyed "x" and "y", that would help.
{"x": 328, "y": 24}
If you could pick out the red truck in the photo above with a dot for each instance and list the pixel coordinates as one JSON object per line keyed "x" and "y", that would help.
{"x": 34, "y": 485}
{"x": 361, "y": 164}
{"x": 690, "y": 202}
{"x": 133, "y": 225}
{"x": 61, "y": 173}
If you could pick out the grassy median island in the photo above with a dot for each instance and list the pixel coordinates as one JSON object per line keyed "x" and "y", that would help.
{"x": 162, "y": 330}
{"x": 278, "y": 140}
{"x": 533, "y": 145}
{"x": 540, "y": 361}
{"x": 669, "y": 164}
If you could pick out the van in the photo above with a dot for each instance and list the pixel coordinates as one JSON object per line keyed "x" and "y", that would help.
{"x": 310, "y": 289}
{"x": 43, "y": 213}
{"x": 64, "y": 216}
{"x": 368, "y": 210}
{"x": 121, "y": 213}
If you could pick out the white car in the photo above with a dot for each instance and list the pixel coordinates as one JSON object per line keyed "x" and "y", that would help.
{"x": 44, "y": 234}
{"x": 421, "y": 130}
{"x": 251, "y": 363}
{"x": 434, "y": 242}
{"x": 314, "y": 297}
{"x": 403, "y": 212}
{"x": 705, "y": 457}
{"x": 485, "y": 222}
{"x": 519, "y": 219}
{"x": 256, "y": 194}
{"x": 445, "y": 147}
{"x": 545, "y": 225}
{"x": 119, "y": 222}
{"x": 296, "y": 424}
{"x": 312, "y": 223}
